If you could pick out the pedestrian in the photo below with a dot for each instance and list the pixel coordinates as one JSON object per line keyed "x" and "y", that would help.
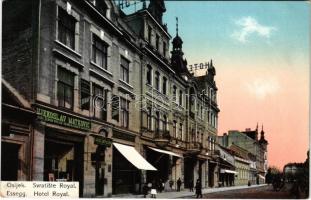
{"x": 163, "y": 185}
{"x": 145, "y": 190}
{"x": 178, "y": 184}
{"x": 198, "y": 189}
{"x": 171, "y": 183}
{"x": 153, "y": 191}
{"x": 191, "y": 185}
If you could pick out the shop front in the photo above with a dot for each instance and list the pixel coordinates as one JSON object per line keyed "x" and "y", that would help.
{"x": 127, "y": 166}
{"x": 17, "y": 119}
{"x": 63, "y": 157}
{"x": 167, "y": 164}
{"x": 226, "y": 177}
{"x": 64, "y": 142}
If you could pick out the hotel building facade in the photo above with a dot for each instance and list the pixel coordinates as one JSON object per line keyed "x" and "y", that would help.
{"x": 98, "y": 98}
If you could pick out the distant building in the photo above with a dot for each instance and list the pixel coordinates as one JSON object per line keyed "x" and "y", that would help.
{"x": 227, "y": 169}
{"x": 248, "y": 139}
{"x": 245, "y": 163}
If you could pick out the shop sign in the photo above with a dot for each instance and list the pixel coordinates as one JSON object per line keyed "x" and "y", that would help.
{"x": 63, "y": 119}
{"x": 103, "y": 141}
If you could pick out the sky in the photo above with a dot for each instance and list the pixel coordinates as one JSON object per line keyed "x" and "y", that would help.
{"x": 261, "y": 54}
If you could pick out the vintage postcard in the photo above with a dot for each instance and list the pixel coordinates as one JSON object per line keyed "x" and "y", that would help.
{"x": 155, "y": 99}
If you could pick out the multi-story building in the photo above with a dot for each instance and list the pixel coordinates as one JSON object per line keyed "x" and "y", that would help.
{"x": 102, "y": 92}
{"x": 245, "y": 164}
{"x": 249, "y": 141}
{"x": 227, "y": 167}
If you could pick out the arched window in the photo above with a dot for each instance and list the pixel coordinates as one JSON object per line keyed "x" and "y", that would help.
{"x": 164, "y": 85}
{"x": 157, "y": 80}
{"x": 174, "y": 93}
{"x": 149, "y": 75}
{"x": 157, "y": 121}
{"x": 164, "y": 122}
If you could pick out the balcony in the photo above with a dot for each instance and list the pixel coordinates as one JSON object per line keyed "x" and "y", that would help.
{"x": 194, "y": 148}
{"x": 162, "y": 138}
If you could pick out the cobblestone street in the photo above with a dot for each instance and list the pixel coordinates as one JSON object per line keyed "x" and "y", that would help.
{"x": 265, "y": 192}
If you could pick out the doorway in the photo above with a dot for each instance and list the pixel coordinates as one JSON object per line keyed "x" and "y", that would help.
{"x": 100, "y": 170}
{"x": 9, "y": 161}
{"x": 189, "y": 163}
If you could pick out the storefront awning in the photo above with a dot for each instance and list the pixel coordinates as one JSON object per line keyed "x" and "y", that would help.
{"x": 166, "y": 152}
{"x": 260, "y": 176}
{"x": 133, "y": 157}
{"x": 228, "y": 171}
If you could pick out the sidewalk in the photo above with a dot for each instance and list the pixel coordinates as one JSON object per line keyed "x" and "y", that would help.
{"x": 186, "y": 192}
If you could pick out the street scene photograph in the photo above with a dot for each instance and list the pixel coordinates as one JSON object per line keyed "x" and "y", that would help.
{"x": 166, "y": 99}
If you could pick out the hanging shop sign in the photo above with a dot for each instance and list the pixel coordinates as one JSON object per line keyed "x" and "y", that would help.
{"x": 103, "y": 141}
{"x": 63, "y": 119}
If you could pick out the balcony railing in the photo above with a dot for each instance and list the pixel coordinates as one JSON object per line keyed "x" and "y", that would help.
{"x": 194, "y": 147}
{"x": 162, "y": 137}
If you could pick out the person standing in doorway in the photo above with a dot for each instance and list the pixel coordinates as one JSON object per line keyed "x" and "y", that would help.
{"x": 191, "y": 186}
{"x": 178, "y": 184}
{"x": 198, "y": 189}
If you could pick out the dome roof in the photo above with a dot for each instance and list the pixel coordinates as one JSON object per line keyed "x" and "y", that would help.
{"x": 177, "y": 42}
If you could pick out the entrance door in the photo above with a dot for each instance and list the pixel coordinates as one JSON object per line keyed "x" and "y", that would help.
{"x": 100, "y": 170}
{"x": 9, "y": 161}
{"x": 211, "y": 168}
{"x": 189, "y": 171}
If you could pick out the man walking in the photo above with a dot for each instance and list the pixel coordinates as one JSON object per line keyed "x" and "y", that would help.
{"x": 198, "y": 189}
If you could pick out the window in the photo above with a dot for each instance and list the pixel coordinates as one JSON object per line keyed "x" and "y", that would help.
{"x": 99, "y": 51}
{"x": 202, "y": 113}
{"x": 164, "y": 49}
{"x": 198, "y": 109}
{"x": 149, "y": 34}
{"x": 174, "y": 93}
{"x": 115, "y": 103}
{"x": 164, "y": 122}
{"x": 125, "y": 70}
{"x": 65, "y": 87}
{"x": 180, "y": 97}
{"x": 124, "y": 113}
{"x": 66, "y": 28}
{"x": 101, "y": 7}
{"x": 149, "y": 74}
{"x": 175, "y": 128}
{"x": 157, "y": 121}
{"x": 85, "y": 95}
{"x": 100, "y": 102}
{"x": 157, "y": 41}
{"x": 164, "y": 85}
{"x": 180, "y": 131}
{"x": 157, "y": 81}
{"x": 149, "y": 115}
